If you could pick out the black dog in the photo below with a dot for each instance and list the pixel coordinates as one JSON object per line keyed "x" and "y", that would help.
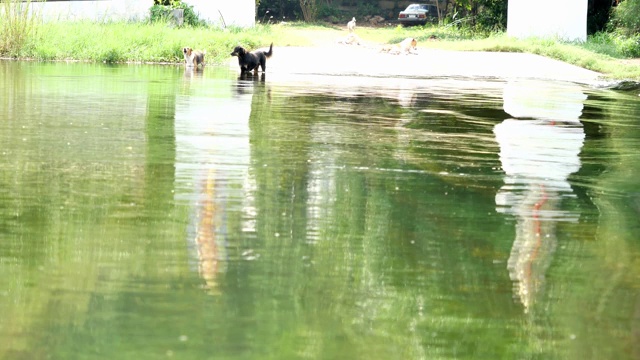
{"x": 251, "y": 60}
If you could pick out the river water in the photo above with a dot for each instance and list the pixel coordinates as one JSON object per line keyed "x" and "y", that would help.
{"x": 150, "y": 212}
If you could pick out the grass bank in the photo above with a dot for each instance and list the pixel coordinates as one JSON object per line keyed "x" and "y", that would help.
{"x": 160, "y": 43}
{"x": 133, "y": 42}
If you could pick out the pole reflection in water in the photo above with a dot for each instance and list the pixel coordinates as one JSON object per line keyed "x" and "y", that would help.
{"x": 212, "y": 136}
{"x": 209, "y": 233}
{"x": 538, "y": 151}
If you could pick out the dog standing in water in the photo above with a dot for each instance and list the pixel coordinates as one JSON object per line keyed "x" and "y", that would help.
{"x": 250, "y": 61}
{"x": 193, "y": 58}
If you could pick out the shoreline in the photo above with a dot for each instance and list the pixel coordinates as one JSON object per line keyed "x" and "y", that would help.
{"x": 138, "y": 43}
{"x": 366, "y": 60}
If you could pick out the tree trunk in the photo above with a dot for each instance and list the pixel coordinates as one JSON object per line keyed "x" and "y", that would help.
{"x": 309, "y": 10}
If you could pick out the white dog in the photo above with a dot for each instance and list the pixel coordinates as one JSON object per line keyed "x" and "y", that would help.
{"x": 406, "y": 46}
{"x": 351, "y": 25}
{"x": 409, "y": 46}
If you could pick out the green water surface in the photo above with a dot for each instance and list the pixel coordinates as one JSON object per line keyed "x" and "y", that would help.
{"x": 147, "y": 212}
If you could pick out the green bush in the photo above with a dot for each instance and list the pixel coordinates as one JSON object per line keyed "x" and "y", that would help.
{"x": 111, "y": 56}
{"x": 614, "y": 44}
{"x": 169, "y": 3}
{"x": 162, "y": 13}
{"x": 159, "y": 13}
{"x": 630, "y": 46}
{"x": 190, "y": 16}
{"x": 493, "y": 16}
{"x": 626, "y": 17}
{"x": 366, "y": 9}
{"x": 331, "y": 13}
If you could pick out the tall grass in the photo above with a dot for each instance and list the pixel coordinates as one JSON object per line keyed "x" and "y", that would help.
{"x": 140, "y": 42}
{"x": 18, "y": 24}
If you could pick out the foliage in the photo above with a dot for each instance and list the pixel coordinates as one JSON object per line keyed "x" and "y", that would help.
{"x": 630, "y": 47}
{"x": 626, "y": 17}
{"x": 493, "y": 16}
{"x": 278, "y": 10}
{"x": 17, "y": 25}
{"x": 614, "y": 44}
{"x": 170, "y": 3}
{"x": 309, "y": 10}
{"x": 190, "y": 16}
{"x": 365, "y": 8}
{"x": 162, "y": 12}
{"x": 334, "y": 14}
{"x": 159, "y": 13}
{"x": 327, "y": 12}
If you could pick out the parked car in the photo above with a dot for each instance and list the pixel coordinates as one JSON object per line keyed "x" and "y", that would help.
{"x": 418, "y": 14}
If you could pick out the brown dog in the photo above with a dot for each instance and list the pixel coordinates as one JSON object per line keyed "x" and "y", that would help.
{"x": 193, "y": 58}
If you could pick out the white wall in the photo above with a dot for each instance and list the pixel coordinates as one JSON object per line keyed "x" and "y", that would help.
{"x": 236, "y": 12}
{"x": 565, "y": 19}
{"x": 93, "y": 10}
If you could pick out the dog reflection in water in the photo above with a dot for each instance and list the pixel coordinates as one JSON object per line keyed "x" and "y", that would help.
{"x": 252, "y": 76}
{"x": 253, "y": 85}
{"x": 190, "y": 73}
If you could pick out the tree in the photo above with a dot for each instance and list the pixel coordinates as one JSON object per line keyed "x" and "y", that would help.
{"x": 309, "y": 10}
{"x": 597, "y": 15}
{"x": 278, "y": 9}
{"x": 626, "y": 17}
{"x": 493, "y": 14}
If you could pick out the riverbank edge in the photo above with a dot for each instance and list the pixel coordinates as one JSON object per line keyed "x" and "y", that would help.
{"x": 123, "y": 45}
{"x": 343, "y": 60}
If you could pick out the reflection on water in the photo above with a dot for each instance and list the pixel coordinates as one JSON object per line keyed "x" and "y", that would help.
{"x": 209, "y": 233}
{"x": 212, "y": 160}
{"x": 190, "y": 73}
{"x": 195, "y": 214}
{"x": 537, "y": 156}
